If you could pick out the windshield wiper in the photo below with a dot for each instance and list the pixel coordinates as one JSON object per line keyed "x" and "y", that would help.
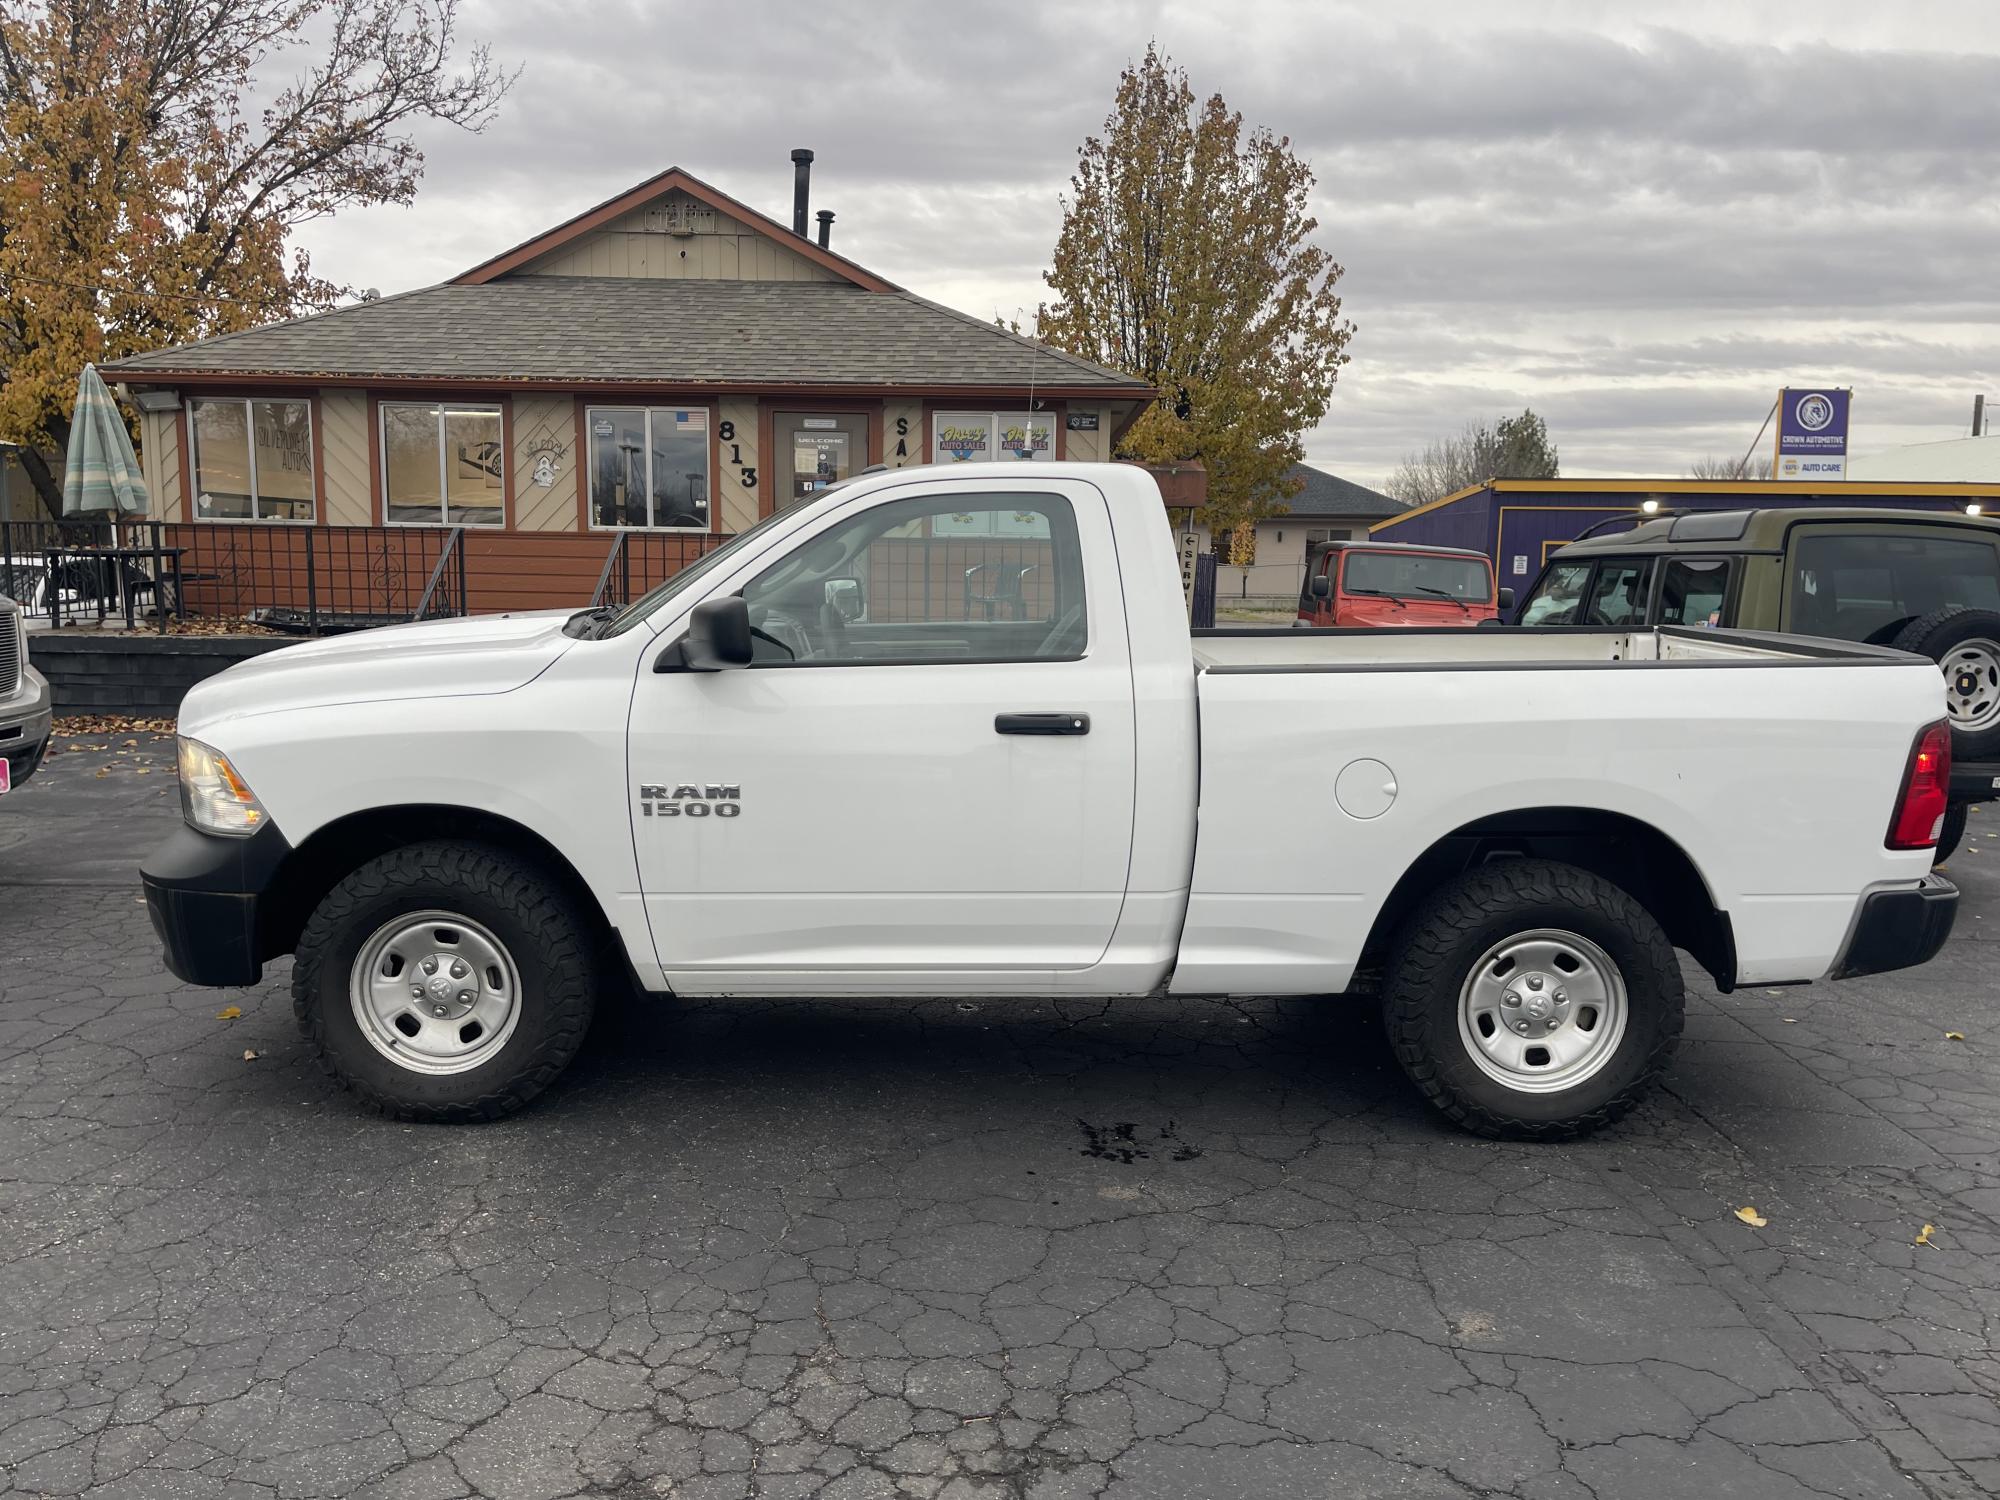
{"x": 584, "y": 624}
{"x": 1379, "y": 594}
{"x": 1424, "y": 588}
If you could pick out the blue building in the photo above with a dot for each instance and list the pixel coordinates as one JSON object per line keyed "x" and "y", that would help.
{"x": 1519, "y": 522}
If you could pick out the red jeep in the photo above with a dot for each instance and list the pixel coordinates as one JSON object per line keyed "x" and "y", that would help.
{"x": 1385, "y": 583}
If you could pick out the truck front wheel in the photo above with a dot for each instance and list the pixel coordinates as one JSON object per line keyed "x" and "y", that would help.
{"x": 445, "y": 982}
{"x": 1533, "y": 1000}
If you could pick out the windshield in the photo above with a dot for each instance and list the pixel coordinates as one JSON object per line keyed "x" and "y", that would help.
{"x": 646, "y": 603}
{"x": 1417, "y": 575}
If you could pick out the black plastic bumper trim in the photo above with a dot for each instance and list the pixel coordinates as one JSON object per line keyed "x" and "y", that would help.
{"x": 202, "y": 891}
{"x": 1900, "y": 929}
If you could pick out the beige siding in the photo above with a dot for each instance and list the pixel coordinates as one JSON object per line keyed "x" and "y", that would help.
{"x": 1087, "y": 447}
{"x": 344, "y": 441}
{"x": 910, "y": 441}
{"x": 731, "y": 251}
{"x": 738, "y": 503}
{"x": 160, "y": 463}
{"x": 544, "y": 427}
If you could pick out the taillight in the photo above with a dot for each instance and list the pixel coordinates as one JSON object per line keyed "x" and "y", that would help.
{"x": 1926, "y": 790}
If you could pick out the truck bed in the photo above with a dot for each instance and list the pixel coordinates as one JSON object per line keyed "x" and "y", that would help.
{"x": 1773, "y": 766}
{"x": 1456, "y": 648}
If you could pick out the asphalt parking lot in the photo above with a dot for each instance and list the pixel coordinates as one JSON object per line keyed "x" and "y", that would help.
{"x": 950, "y": 1250}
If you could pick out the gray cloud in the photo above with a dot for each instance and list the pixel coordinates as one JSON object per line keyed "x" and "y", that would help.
{"x": 1640, "y": 232}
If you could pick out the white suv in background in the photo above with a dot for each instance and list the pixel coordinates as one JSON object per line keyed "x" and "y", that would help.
{"x": 24, "y": 701}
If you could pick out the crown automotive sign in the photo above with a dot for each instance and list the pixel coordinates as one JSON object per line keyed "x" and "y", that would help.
{"x": 1812, "y": 434}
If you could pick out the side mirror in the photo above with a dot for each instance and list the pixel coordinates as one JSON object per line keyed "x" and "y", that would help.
{"x": 1506, "y": 598}
{"x": 1322, "y": 586}
{"x": 718, "y": 637}
{"x": 846, "y": 598}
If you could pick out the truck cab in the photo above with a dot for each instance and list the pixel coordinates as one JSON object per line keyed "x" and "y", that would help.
{"x": 1390, "y": 584}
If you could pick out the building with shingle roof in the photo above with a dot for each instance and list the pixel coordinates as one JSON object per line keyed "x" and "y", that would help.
{"x": 670, "y": 360}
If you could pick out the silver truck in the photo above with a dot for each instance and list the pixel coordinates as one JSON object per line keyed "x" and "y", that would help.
{"x": 24, "y": 701}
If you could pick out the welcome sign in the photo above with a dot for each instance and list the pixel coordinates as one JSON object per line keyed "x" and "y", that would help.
{"x": 1812, "y": 434}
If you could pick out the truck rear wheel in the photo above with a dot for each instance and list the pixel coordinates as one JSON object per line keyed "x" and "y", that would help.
{"x": 445, "y": 982}
{"x": 1533, "y": 1000}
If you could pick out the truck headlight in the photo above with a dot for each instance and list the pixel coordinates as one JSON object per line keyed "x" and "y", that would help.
{"x": 213, "y": 797}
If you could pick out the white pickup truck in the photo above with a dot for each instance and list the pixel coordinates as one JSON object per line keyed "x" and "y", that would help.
{"x": 943, "y": 732}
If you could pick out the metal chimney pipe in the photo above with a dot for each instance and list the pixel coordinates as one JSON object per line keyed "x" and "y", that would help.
{"x": 802, "y": 166}
{"x": 1978, "y": 402}
{"x": 825, "y": 217}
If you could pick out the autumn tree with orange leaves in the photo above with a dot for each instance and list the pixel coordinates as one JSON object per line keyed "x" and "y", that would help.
{"x": 145, "y": 200}
{"x": 1186, "y": 258}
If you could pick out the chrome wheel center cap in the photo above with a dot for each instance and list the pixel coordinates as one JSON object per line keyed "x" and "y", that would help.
{"x": 448, "y": 996}
{"x": 1535, "y": 1004}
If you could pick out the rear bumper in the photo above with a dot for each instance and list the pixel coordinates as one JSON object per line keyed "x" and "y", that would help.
{"x": 1899, "y": 929}
{"x": 203, "y": 892}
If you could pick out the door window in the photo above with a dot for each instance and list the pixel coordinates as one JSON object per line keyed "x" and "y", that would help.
{"x": 986, "y": 578}
{"x": 1867, "y": 588}
{"x": 1618, "y": 594}
{"x": 1692, "y": 590}
{"x": 819, "y": 450}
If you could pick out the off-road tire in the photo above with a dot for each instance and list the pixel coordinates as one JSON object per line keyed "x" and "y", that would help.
{"x": 1935, "y": 634}
{"x": 1436, "y": 949}
{"x": 1953, "y": 831}
{"x": 547, "y": 937}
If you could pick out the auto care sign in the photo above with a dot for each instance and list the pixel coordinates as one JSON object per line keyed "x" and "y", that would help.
{"x": 1812, "y": 434}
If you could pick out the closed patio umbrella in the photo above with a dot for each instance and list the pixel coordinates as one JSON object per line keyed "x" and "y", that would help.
{"x": 101, "y": 479}
{"x": 101, "y": 473}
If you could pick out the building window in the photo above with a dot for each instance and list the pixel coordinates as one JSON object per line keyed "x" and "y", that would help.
{"x": 443, "y": 464}
{"x": 252, "y": 460}
{"x": 984, "y": 436}
{"x": 649, "y": 466}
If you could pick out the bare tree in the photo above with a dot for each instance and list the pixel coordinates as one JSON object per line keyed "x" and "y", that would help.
{"x": 1740, "y": 467}
{"x": 1513, "y": 448}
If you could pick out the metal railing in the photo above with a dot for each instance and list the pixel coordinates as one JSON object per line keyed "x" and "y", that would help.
{"x": 439, "y": 596}
{"x": 640, "y": 560}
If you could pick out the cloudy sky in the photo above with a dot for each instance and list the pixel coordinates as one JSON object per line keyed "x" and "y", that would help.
{"x": 1639, "y": 219}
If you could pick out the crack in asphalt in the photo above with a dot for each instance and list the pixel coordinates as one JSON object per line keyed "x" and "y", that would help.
{"x": 1036, "y": 1250}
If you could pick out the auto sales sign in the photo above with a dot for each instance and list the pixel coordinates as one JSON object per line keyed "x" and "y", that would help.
{"x": 1812, "y": 434}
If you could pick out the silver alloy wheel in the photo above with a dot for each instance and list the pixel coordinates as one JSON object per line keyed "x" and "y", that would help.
{"x": 1972, "y": 684}
{"x": 1542, "y": 1011}
{"x": 435, "y": 992}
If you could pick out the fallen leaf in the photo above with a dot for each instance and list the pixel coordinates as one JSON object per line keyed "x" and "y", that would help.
{"x": 144, "y": 771}
{"x": 1924, "y": 1236}
{"x": 1954, "y": 1036}
{"x": 1791, "y": 1020}
{"x": 229, "y": 1013}
{"x": 249, "y": 1056}
{"x": 1751, "y": 1217}
{"x": 103, "y": 771}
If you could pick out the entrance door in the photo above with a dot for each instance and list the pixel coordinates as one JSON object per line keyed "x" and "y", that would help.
{"x": 928, "y": 769}
{"x": 817, "y": 448}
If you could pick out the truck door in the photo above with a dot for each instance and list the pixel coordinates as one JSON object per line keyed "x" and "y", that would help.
{"x": 927, "y": 770}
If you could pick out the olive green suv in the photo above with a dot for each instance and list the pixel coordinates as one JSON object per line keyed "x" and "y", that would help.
{"x": 1919, "y": 581}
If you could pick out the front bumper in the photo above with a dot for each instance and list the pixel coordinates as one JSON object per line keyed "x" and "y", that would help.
{"x": 1900, "y": 929}
{"x": 25, "y": 722}
{"x": 202, "y": 892}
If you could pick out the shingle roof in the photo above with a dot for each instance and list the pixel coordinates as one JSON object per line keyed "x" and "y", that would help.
{"x": 1327, "y": 494}
{"x": 612, "y": 330}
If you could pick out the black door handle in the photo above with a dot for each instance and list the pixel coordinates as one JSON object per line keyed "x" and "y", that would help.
{"x": 1041, "y": 723}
